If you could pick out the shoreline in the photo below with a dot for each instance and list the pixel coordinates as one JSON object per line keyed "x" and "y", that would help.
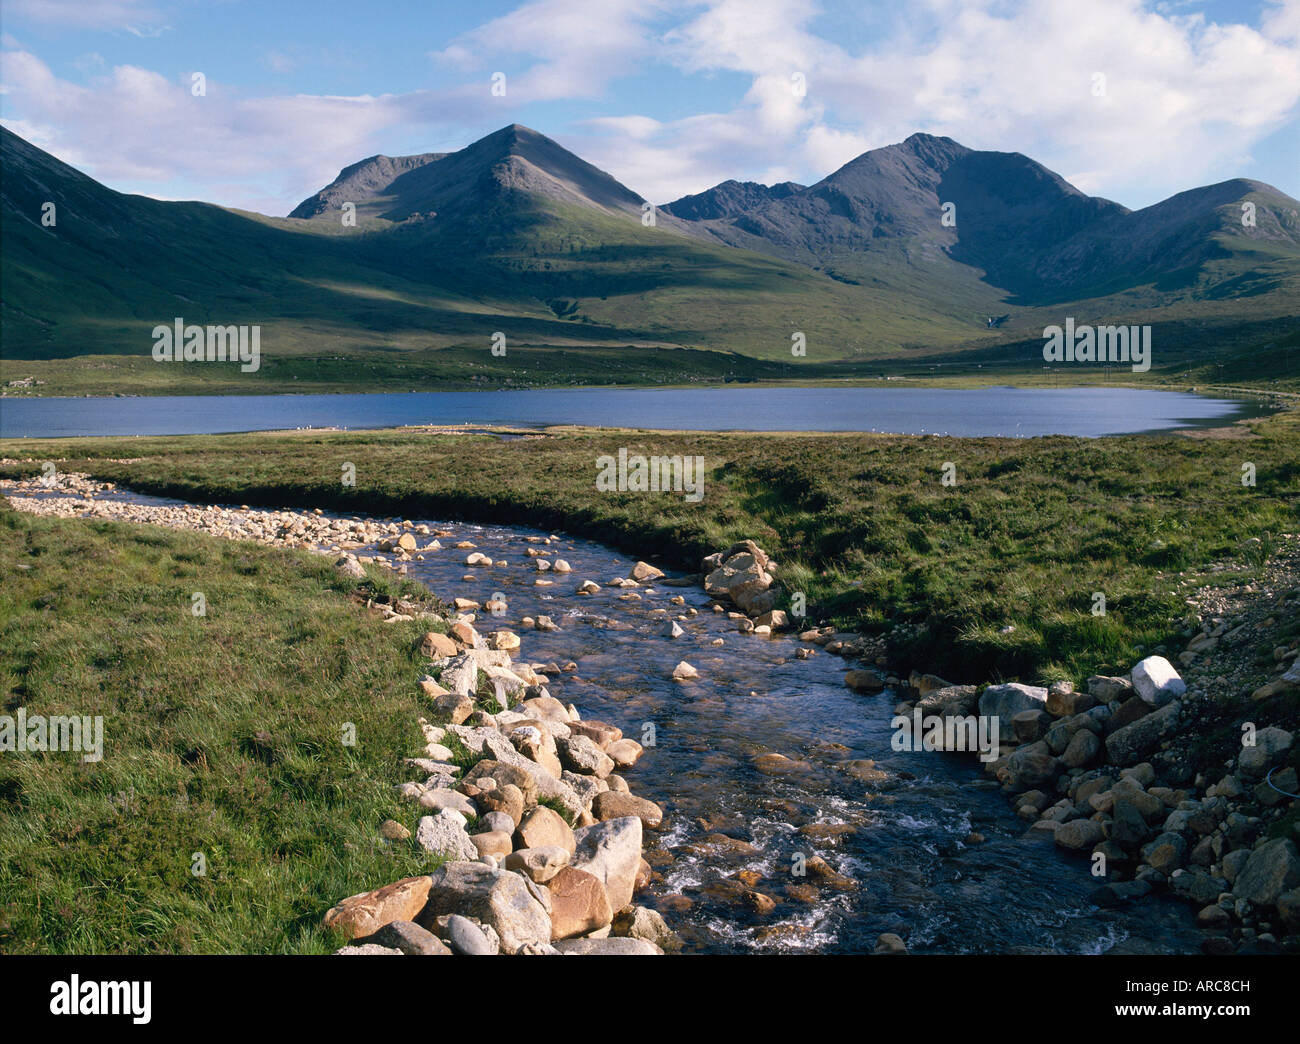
{"x": 968, "y": 382}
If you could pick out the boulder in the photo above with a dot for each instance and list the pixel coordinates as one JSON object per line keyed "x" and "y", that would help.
{"x": 460, "y": 675}
{"x": 538, "y": 864}
{"x": 579, "y": 903}
{"x": 1128, "y": 825}
{"x": 467, "y": 938}
{"x": 625, "y": 752}
{"x": 350, "y": 567}
{"x": 499, "y": 821}
{"x": 500, "y": 899}
{"x": 452, "y": 707}
{"x": 1271, "y": 747}
{"x": 411, "y": 939}
{"x": 952, "y": 701}
{"x": 1129, "y": 711}
{"x": 640, "y": 922}
{"x": 743, "y": 578}
{"x": 1079, "y": 834}
{"x": 1106, "y": 688}
{"x": 493, "y": 843}
{"x": 586, "y": 787}
{"x": 435, "y": 646}
{"x": 1082, "y": 750}
{"x": 599, "y": 732}
{"x": 438, "y": 798}
{"x": 864, "y": 681}
{"x": 1272, "y": 869}
{"x": 1156, "y": 681}
{"x": 1166, "y": 853}
{"x": 544, "y": 827}
{"x": 545, "y": 786}
{"x": 545, "y": 708}
{"x": 611, "y": 851}
{"x": 580, "y": 754}
{"x": 368, "y": 950}
{"x": 1130, "y": 744}
{"x": 444, "y": 834}
{"x": 503, "y": 773}
{"x": 365, "y": 913}
{"x": 1024, "y": 769}
{"x": 506, "y": 802}
{"x": 1031, "y": 725}
{"x": 1064, "y": 702}
{"x": 1004, "y": 702}
{"x": 1196, "y": 886}
{"x": 614, "y": 805}
{"x": 644, "y": 571}
{"x": 537, "y": 744}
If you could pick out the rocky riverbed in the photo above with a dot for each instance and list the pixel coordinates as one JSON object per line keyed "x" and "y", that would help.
{"x": 774, "y": 810}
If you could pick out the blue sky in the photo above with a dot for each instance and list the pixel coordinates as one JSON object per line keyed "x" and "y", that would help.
{"x": 1127, "y": 100}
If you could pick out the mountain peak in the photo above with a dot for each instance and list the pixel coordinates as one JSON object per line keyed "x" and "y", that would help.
{"x": 513, "y": 158}
{"x": 728, "y": 199}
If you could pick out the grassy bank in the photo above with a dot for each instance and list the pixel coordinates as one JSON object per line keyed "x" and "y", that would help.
{"x": 223, "y": 735}
{"x": 1264, "y": 356}
{"x": 994, "y": 576}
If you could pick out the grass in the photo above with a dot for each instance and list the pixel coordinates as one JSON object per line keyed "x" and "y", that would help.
{"x": 223, "y": 735}
{"x": 992, "y": 578}
{"x": 1257, "y": 356}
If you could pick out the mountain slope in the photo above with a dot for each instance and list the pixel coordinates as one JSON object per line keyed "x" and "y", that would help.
{"x": 517, "y": 235}
{"x": 365, "y": 182}
{"x": 512, "y": 235}
{"x": 1013, "y": 224}
{"x": 728, "y": 199}
{"x": 513, "y": 159}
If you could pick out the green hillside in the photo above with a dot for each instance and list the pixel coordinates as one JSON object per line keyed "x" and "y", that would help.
{"x": 515, "y": 235}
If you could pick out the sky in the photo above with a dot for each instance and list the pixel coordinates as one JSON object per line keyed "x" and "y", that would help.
{"x": 1128, "y": 100}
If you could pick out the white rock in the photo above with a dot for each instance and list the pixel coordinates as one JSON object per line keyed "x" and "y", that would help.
{"x": 1156, "y": 681}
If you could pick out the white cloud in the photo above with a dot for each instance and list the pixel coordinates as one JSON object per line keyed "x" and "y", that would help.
{"x": 577, "y": 46}
{"x": 1186, "y": 99}
{"x": 137, "y": 129}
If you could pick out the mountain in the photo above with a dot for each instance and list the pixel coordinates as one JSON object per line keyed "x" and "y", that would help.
{"x": 516, "y": 234}
{"x": 1022, "y": 227}
{"x": 512, "y": 234}
{"x": 513, "y": 159}
{"x": 365, "y": 181}
{"x": 728, "y": 199}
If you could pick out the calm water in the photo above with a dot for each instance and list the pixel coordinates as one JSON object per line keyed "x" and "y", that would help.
{"x": 905, "y": 842}
{"x": 911, "y": 411}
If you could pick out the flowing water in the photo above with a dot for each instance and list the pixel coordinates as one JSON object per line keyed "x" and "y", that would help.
{"x": 905, "y": 842}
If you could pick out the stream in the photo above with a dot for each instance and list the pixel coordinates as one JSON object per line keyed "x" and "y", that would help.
{"x": 934, "y": 851}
